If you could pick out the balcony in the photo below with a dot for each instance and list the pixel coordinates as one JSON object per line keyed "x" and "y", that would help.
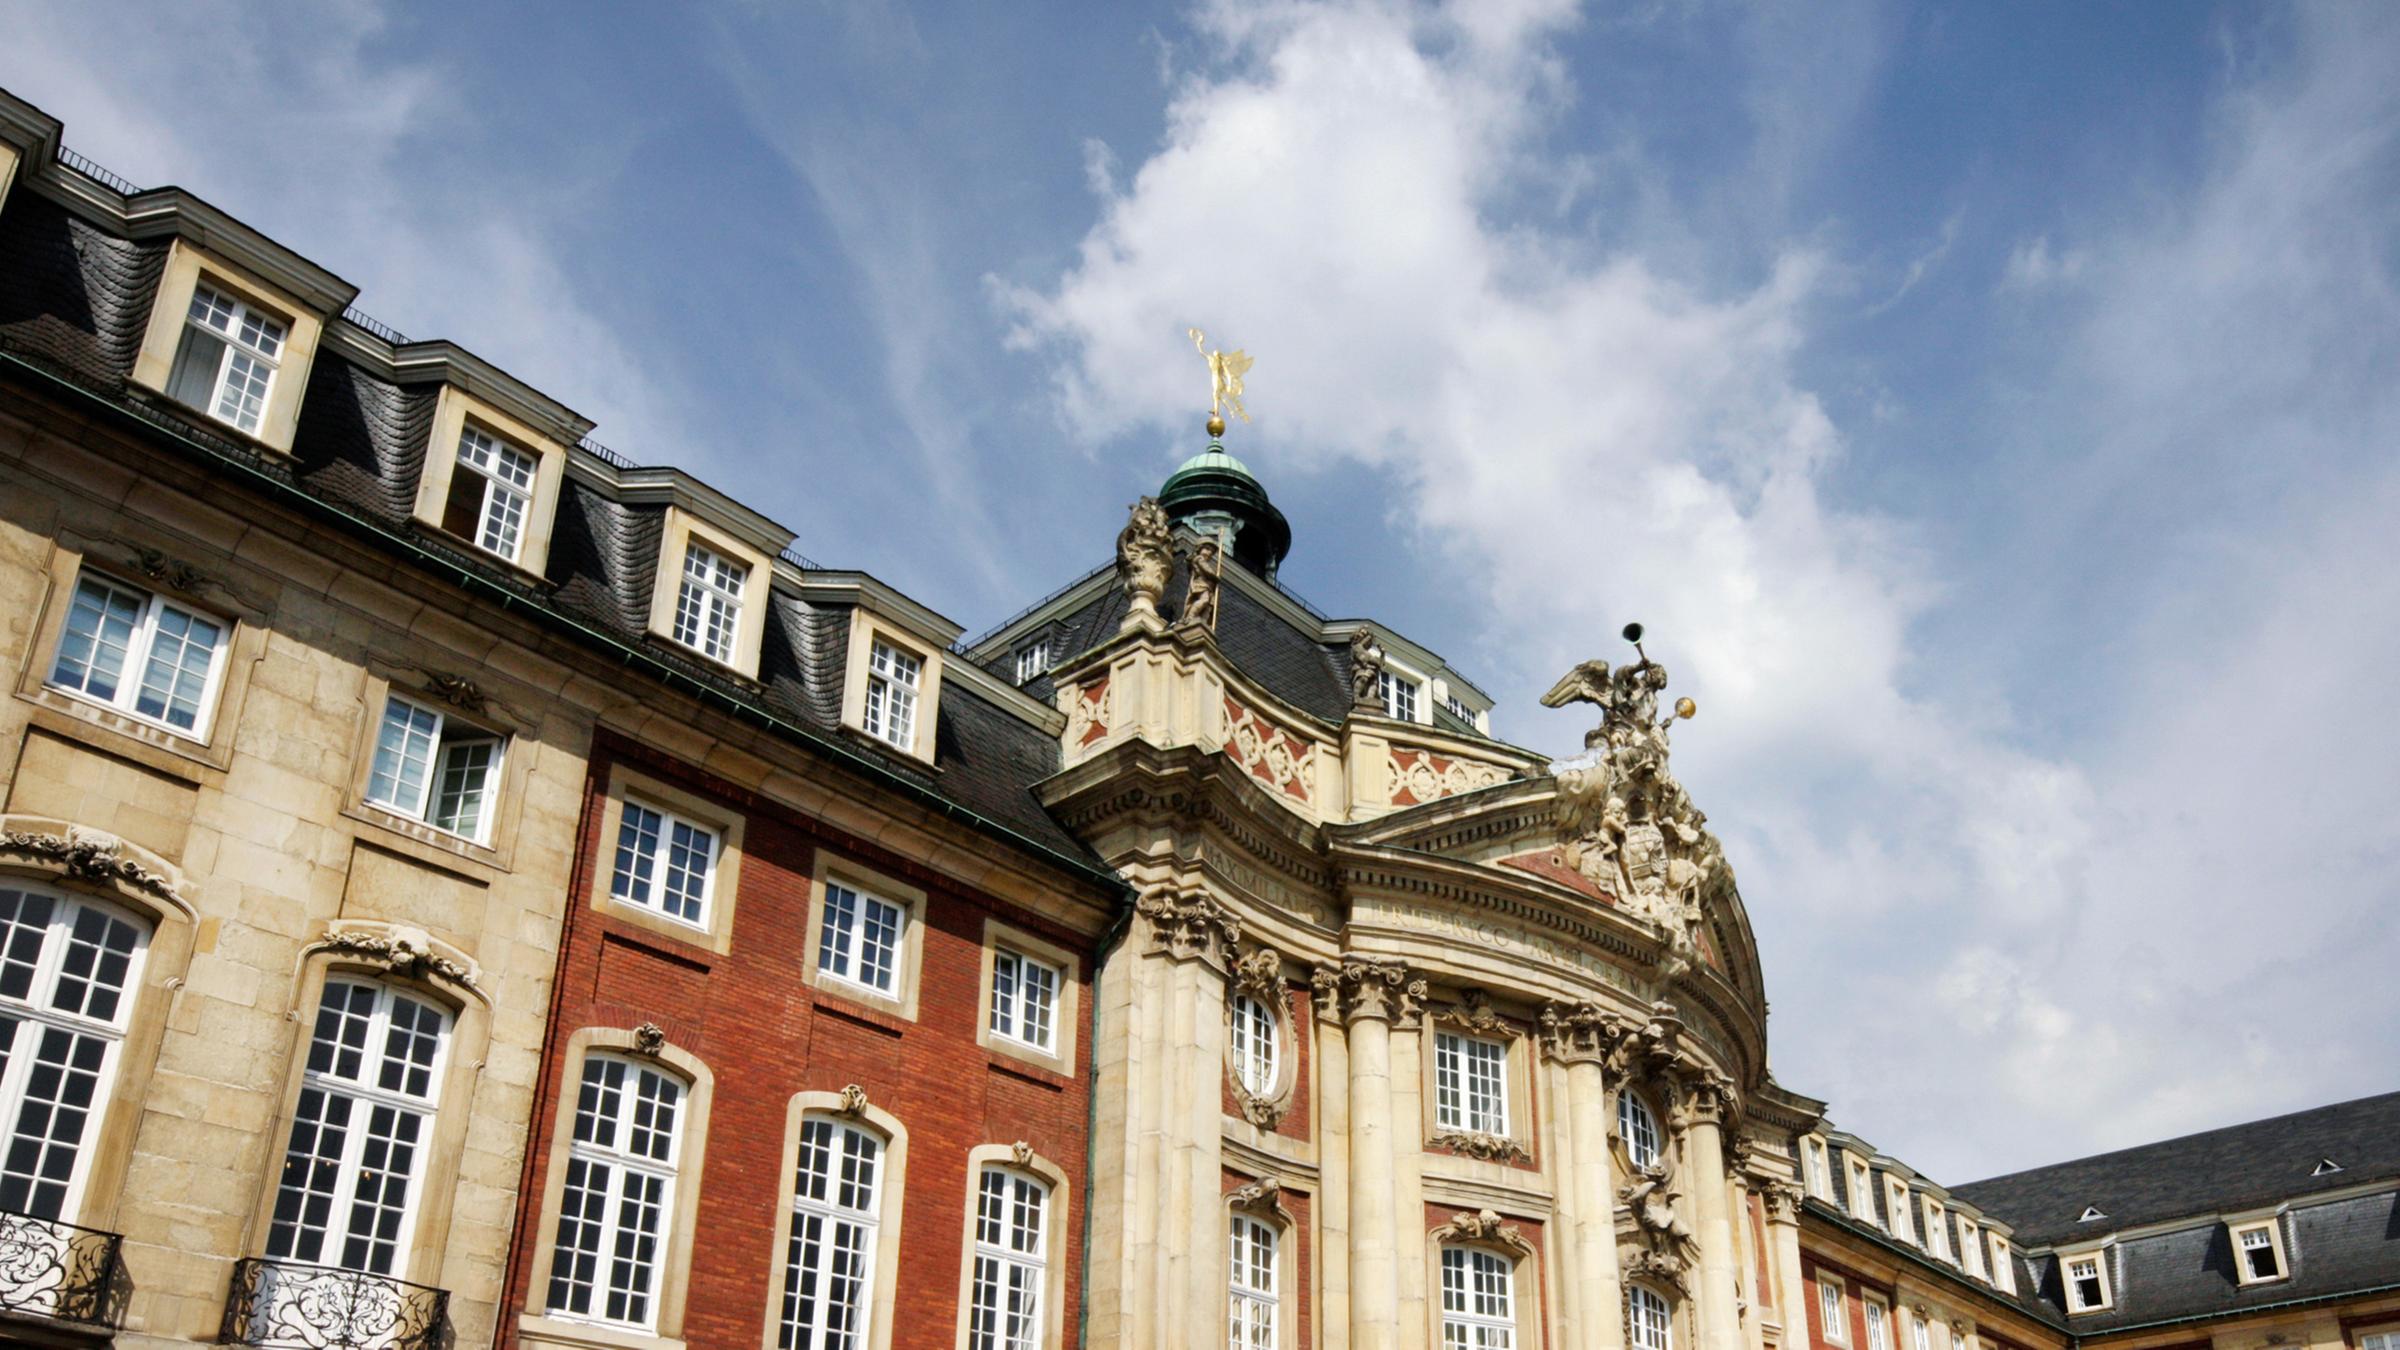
{"x": 59, "y": 1283}
{"x": 283, "y": 1305}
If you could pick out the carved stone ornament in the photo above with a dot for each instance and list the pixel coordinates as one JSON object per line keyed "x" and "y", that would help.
{"x": 1366, "y": 665}
{"x": 1650, "y": 1197}
{"x": 1657, "y": 1266}
{"x": 173, "y": 573}
{"x": 853, "y": 1100}
{"x": 1704, "y": 1097}
{"x": 1580, "y": 1033}
{"x": 87, "y": 855}
{"x": 1782, "y": 1198}
{"x": 1624, "y": 822}
{"x": 1475, "y": 1144}
{"x": 1263, "y": 1196}
{"x": 1474, "y": 1011}
{"x": 1189, "y": 927}
{"x": 1258, "y": 972}
{"x": 1021, "y": 1153}
{"x": 456, "y": 690}
{"x": 406, "y": 952}
{"x": 1486, "y": 1227}
{"x": 1145, "y": 559}
{"x": 1651, "y": 1048}
{"x": 1203, "y": 583}
{"x": 1382, "y": 990}
{"x": 649, "y": 1039}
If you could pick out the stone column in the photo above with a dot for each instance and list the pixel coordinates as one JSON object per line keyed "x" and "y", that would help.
{"x": 1331, "y": 1119}
{"x": 1372, "y": 992}
{"x": 1704, "y": 1104}
{"x": 1783, "y": 1238}
{"x": 1575, "y": 1037}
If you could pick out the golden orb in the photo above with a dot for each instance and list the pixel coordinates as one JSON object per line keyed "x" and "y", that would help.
{"x": 1684, "y": 707}
{"x": 1216, "y": 425}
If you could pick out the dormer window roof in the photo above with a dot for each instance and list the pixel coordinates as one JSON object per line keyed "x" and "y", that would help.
{"x": 2090, "y": 1213}
{"x": 2325, "y": 1167}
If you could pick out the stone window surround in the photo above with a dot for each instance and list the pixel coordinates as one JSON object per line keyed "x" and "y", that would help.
{"x": 1516, "y": 1065}
{"x": 418, "y": 838}
{"x": 470, "y": 1036}
{"x": 1066, "y": 1014}
{"x": 453, "y": 410}
{"x": 750, "y": 629}
{"x": 2098, "y": 1255}
{"x": 894, "y": 1183}
{"x": 1681, "y": 1318}
{"x": 1261, "y": 1201}
{"x": 1899, "y": 1206}
{"x": 1816, "y": 1166}
{"x": 2004, "y": 1268}
{"x": 680, "y": 1229}
{"x": 1861, "y": 1185}
{"x": 1891, "y": 1321}
{"x": 162, "y": 748}
{"x": 1835, "y": 1330}
{"x": 724, "y": 884}
{"x": 1056, "y": 1221}
{"x": 2271, "y": 1222}
{"x": 1507, "y": 1241}
{"x": 1258, "y": 974}
{"x": 867, "y": 628}
{"x": 186, "y": 264}
{"x": 902, "y": 1003}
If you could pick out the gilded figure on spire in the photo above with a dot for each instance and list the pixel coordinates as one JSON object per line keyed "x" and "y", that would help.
{"x": 1225, "y": 371}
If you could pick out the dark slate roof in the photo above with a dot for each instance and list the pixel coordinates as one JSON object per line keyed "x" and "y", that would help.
{"x": 2217, "y": 1171}
{"x": 71, "y": 293}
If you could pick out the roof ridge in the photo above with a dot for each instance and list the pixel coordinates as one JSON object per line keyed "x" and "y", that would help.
{"x": 2177, "y": 1139}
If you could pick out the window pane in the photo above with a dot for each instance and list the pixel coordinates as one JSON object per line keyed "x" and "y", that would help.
{"x": 403, "y": 756}
{"x": 182, "y": 649}
{"x": 99, "y": 634}
{"x": 466, "y": 774}
{"x": 637, "y": 852}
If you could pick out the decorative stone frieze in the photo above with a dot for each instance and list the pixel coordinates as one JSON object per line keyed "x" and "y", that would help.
{"x": 1382, "y": 990}
{"x": 175, "y": 574}
{"x": 1090, "y": 708}
{"x": 408, "y": 952}
{"x": 1489, "y": 1147}
{"x": 87, "y": 855}
{"x": 1189, "y": 927}
{"x": 1419, "y": 776}
{"x": 1486, "y": 1227}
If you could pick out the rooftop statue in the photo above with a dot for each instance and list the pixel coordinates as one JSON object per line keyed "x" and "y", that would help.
{"x": 1225, "y": 372}
{"x": 1145, "y": 558}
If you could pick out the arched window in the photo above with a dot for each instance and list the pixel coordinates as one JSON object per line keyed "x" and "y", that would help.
{"x": 1647, "y": 1320}
{"x": 1638, "y": 1128}
{"x": 1012, "y": 1223}
{"x": 1256, "y": 1055}
{"x": 829, "y": 1268}
{"x": 1251, "y": 1319}
{"x": 368, "y": 1093}
{"x": 1479, "y": 1300}
{"x": 612, "y": 1217}
{"x": 68, "y": 968}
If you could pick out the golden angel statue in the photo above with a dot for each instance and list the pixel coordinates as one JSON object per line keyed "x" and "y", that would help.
{"x": 1225, "y": 371}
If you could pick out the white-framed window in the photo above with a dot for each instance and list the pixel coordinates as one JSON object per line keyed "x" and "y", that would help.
{"x": 1470, "y": 1084}
{"x": 1862, "y": 1189}
{"x": 1896, "y": 1203}
{"x": 708, "y": 607}
{"x": 491, "y": 490}
{"x": 1033, "y": 659}
{"x": 141, "y": 654}
{"x": 859, "y": 939}
{"x": 1647, "y": 1317}
{"x": 1937, "y": 1233}
{"x": 829, "y": 1264}
{"x": 1399, "y": 696}
{"x": 1011, "y": 1275}
{"x": 620, "y": 1187}
{"x": 1813, "y": 1169}
{"x": 1830, "y": 1317}
{"x": 2380, "y": 1340}
{"x": 69, "y": 969}
{"x": 1879, "y": 1324}
{"x": 2004, "y": 1269}
{"x": 2086, "y": 1281}
{"x": 891, "y": 711}
{"x": 1479, "y": 1300}
{"x": 1459, "y": 709}
{"x": 1638, "y": 1128}
{"x": 2258, "y": 1249}
{"x": 226, "y": 361}
{"x": 1252, "y": 1310}
{"x": 664, "y": 862}
{"x": 1257, "y": 1048}
{"x": 368, "y": 1094}
{"x": 1970, "y": 1247}
{"x": 1920, "y": 1335}
{"x": 1024, "y": 1000}
{"x": 433, "y": 768}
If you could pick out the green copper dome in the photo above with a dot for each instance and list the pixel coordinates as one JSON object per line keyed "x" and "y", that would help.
{"x": 1217, "y": 494}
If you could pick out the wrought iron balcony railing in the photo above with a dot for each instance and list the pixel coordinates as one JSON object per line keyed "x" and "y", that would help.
{"x": 283, "y": 1305}
{"x": 62, "y": 1273}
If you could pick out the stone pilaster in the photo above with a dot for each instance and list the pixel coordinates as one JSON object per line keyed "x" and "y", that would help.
{"x": 1332, "y": 1121}
{"x": 1579, "y": 1038}
{"x": 1783, "y": 1239}
{"x": 1372, "y": 994}
{"x": 1702, "y": 1107}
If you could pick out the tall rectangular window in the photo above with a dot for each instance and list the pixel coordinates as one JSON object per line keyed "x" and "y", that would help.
{"x": 1970, "y": 1246}
{"x": 1399, "y": 696}
{"x": 491, "y": 489}
{"x": 226, "y": 360}
{"x": 1251, "y": 1312}
{"x": 1011, "y": 1273}
{"x": 891, "y": 710}
{"x": 434, "y": 769}
{"x": 1032, "y": 659}
{"x": 1478, "y": 1300}
{"x": 620, "y": 1184}
{"x": 708, "y": 608}
{"x": 1879, "y": 1325}
{"x": 139, "y": 653}
{"x": 1024, "y": 1000}
{"x": 2004, "y": 1267}
{"x": 1937, "y": 1232}
{"x": 664, "y": 862}
{"x": 1830, "y": 1316}
{"x": 68, "y": 970}
{"x": 361, "y": 1130}
{"x": 1920, "y": 1334}
{"x": 859, "y": 940}
{"x": 829, "y": 1264}
{"x": 1470, "y": 1080}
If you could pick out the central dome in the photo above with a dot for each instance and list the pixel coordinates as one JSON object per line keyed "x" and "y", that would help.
{"x": 1217, "y": 495}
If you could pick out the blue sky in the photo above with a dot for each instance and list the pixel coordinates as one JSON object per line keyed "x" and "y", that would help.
{"x": 1990, "y": 409}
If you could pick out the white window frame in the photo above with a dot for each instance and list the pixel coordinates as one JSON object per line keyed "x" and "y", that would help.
{"x": 64, "y": 958}
{"x": 1833, "y": 1316}
{"x": 1257, "y": 1045}
{"x": 504, "y": 506}
{"x": 2004, "y": 1267}
{"x": 610, "y": 1270}
{"x": 1649, "y": 1319}
{"x": 1937, "y": 1237}
{"x": 389, "y": 762}
{"x": 2241, "y": 1233}
{"x": 1470, "y": 1075}
{"x": 1399, "y": 694}
{"x": 367, "y": 1093}
{"x": 843, "y": 1203}
{"x": 1006, "y": 1254}
{"x": 1478, "y": 1299}
{"x": 1011, "y": 1014}
{"x": 1816, "y": 1168}
{"x": 628, "y": 857}
{"x": 1897, "y": 1210}
{"x": 708, "y": 600}
{"x": 841, "y": 956}
{"x": 1458, "y": 708}
{"x": 2379, "y": 1340}
{"x": 1862, "y": 1188}
{"x": 1970, "y": 1247}
{"x": 895, "y": 676}
{"x": 1253, "y": 1307}
{"x": 2069, "y": 1283}
{"x": 1878, "y": 1317}
{"x": 248, "y": 335}
{"x": 138, "y": 663}
{"x": 1920, "y": 1332}
{"x": 1033, "y": 659}
{"x": 1637, "y": 1125}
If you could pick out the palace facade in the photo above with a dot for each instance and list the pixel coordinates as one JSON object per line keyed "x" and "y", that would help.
{"x": 460, "y": 886}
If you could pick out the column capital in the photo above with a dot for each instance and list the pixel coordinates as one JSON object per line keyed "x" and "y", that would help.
{"x": 1189, "y": 926}
{"x": 1580, "y": 1033}
{"x": 1703, "y": 1097}
{"x": 1782, "y": 1199}
{"x": 1362, "y": 987}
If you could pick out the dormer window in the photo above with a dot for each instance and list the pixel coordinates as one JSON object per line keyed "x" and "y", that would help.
{"x": 2325, "y": 1167}
{"x": 1862, "y": 1190}
{"x": 2004, "y": 1268}
{"x": 1399, "y": 696}
{"x": 1458, "y": 708}
{"x": 1896, "y": 1200}
{"x": 491, "y": 490}
{"x": 1812, "y": 1168}
{"x": 226, "y": 361}
{"x": 892, "y": 677}
{"x": 2091, "y": 1214}
{"x": 2086, "y": 1281}
{"x": 1937, "y": 1236}
{"x": 1970, "y": 1247}
{"x": 2258, "y": 1252}
{"x": 1033, "y": 659}
{"x": 709, "y": 606}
